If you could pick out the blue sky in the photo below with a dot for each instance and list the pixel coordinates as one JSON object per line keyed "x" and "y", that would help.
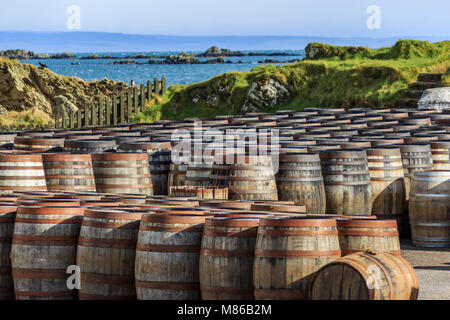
{"x": 327, "y": 18}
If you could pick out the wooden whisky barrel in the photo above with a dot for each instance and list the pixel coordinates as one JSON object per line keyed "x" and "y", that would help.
{"x": 122, "y": 173}
{"x": 106, "y": 254}
{"x": 366, "y": 276}
{"x": 89, "y": 146}
{"x": 44, "y": 245}
{"x": 246, "y": 177}
{"x": 288, "y": 251}
{"x": 230, "y": 244}
{"x": 429, "y": 209}
{"x": 7, "y": 217}
{"x": 19, "y": 172}
{"x": 347, "y": 182}
{"x": 359, "y": 235}
{"x": 69, "y": 172}
{"x": 440, "y": 151}
{"x": 299, "y": 179}
{"x": 388, "y": 183}
{"x": 38, "y": 144}
{"x": 167, "y": 257}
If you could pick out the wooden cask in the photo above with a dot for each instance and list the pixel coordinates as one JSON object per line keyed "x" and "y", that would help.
{"x": 38, "y": 144}
{"x": 122, "y": 173}
{"x": 89, "y": 146}
{"x": 359, "y": 235}
{"x": 198, "y": 172}
{"x": 226, "y": 259}
{"x": 159, "y": 160}
{"x": 366, "y": 276}
{"x": 440, "y": 151}
{"x": 388, "y": 183}
{"x": 69, "y": 172}
{"x": 347, "y": 182}
{"x": 167, "y": 257}
{"x": 299, "y": 179}
{"x": 7, "y": 217}
{"x": 246, "y": 177}
{"x": 429, "y": 209}
{"x": 177, "y": 175}
{"x": 288, "y": 251}
{"x": 106, "y": 254}
{"x": 19, "y": 172}
{"x": 44, "y": 245}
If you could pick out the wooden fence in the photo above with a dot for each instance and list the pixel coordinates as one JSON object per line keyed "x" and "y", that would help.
{"x": 119, "y": 109}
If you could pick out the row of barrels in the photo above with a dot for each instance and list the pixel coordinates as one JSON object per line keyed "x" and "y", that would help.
{"x": 160, "y": 252}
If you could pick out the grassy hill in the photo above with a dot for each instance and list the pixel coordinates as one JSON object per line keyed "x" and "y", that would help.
{"x": 329, "y": 76}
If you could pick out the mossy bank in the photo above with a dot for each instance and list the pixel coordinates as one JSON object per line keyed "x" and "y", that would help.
{"x": 329, "y": 76}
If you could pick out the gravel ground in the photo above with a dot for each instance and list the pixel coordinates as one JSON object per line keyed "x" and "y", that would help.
{"x": 432, "y": 266}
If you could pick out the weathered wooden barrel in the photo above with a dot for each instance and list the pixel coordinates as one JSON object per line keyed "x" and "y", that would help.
{"x": 415, "y": 157}
{"x": 44, "y": 245}
{"x": 37, "y": 144}
{"x": 198, "y": 172}
{"x": 229, "y": 243}
{"x": 69, "y": 172}
{"x": 7, "y": 140}
{"x": 89, "y": 146}
{"x": 7, "y": 217}
{"x": 359, "y": 235}
{"x": 299, "y": 179}
{"x": 429, "y": 209}
{"x": 440, "y": 151}
{"x": 177, "y": 175}
{"x": 288, "y": 251}
{"x": 167, "y": 257}
{"x": 366, "y": 276}
{"x": 246, "y": 177}
{"x": 106, "y": 254}
{"x": 159, "y": 160}
{"x": 21, "y": 172}
{"x": 347, "y": 182}
{"x": 122, "y": 173}
{"x": 388, "y": 183}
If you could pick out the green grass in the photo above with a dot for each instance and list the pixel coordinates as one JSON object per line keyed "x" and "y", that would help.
{"x": 354, "y": 77}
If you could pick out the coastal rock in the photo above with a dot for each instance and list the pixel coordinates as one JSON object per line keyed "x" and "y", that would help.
{"x": 317, "y": 50}
{"x": 265, "y": 93}
{"x": 216, "y": 52}
{"x": 212, "y": 100}
{"x": 437, "y": 98}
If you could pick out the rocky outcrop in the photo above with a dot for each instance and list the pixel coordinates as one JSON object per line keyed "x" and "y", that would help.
{"x": 20, "y": 54}
{"x": 265, "y": 93}
{"x": 25, "y": 87}
{"x": 437, "y": 98}
{"x": 316, "y": 50}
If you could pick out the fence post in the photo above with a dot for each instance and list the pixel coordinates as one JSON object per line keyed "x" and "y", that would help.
{"x": 94, "y": 115}
{"x": 114, "y": 110}
{"x": 142, "y": 97}
{"x": 129, "y": 105}
{"x": 149, "y": 90}
{"x": 163, "y": 85}
{"x": 79, "y": 119}
{"x": 136, "y": 101}
{"x": 108, "y": 112}
{"x": 122, "y": 108}
{"x": 86, "y": 116}
{"x": 71, "y": 121}
{"x": 100, "y": 112}
{"x": 157, "y": 86}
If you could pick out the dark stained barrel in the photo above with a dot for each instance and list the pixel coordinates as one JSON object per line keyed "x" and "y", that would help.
{"x": 366, "y": 276}
{"x": 230, "y": 244}
{"x": 299, "y": 179}
{"x": 106, "y": 254}
{"x": 288, "y": 251}
{"x": 167, "y": 257}
{"x": 89, "y": 146}
{"x": 429, "y": 209}
{"x": 122, "y": 173}
{"x": 44, "y": 245}
{"x": 20, "y": 172}
{"x": 7, "y": 217}
{"x": 360, "y": 235}
{"x": 246, "y": 177}
{"x": 347, "y": 182}
{"x": 69, "y": 172}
